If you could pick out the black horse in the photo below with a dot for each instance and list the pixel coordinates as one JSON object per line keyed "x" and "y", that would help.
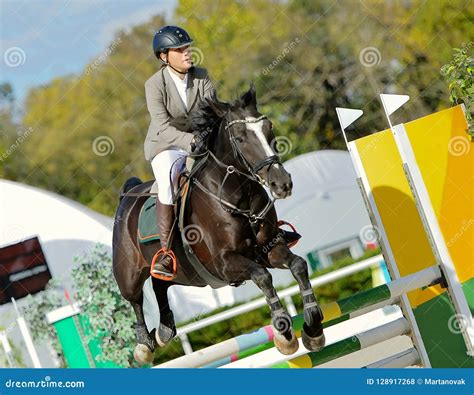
{"x": 238, "y": 234}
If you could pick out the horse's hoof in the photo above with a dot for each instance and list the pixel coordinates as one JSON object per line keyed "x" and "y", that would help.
{"x": 315, "y": 343}
{"x": 164, "y": 335}
{"x": 142, "y": 354}
{"x": 284, "y": 335}
{"x": 285, "y": 346}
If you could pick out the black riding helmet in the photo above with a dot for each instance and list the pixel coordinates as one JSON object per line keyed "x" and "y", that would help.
{"x": 170, "y": 37}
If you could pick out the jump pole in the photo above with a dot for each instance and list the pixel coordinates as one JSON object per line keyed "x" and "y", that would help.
{"x": 298, "y": 323}
{"x": 402, "y": 359}
{"x": 333, "y": 312}
{"x": 349, "y": 345}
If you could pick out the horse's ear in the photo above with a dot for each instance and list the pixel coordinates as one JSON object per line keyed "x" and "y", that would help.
{"x": 249, "y": 98}
{"x": 218, "y": 107}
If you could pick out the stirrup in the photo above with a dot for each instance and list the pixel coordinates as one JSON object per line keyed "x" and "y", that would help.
{"x": 163, "y": 251}
{"x": 292, "y": 243}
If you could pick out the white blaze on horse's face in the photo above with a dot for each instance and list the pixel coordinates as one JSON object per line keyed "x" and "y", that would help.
{"x": 257, "y": 127}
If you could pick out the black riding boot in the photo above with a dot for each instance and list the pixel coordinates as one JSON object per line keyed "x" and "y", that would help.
{"x": 165, "y": 217}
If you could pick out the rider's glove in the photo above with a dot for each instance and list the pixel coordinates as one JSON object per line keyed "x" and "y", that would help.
{"x": 199, "y": 146}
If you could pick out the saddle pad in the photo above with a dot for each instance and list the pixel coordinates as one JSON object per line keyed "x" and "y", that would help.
{"x": 147, "y": 226}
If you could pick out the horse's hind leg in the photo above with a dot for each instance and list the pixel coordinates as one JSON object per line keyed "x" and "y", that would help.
{"x": 312, "y": 333}
{"x": 143, "y": 352}
{"x": 167, "y": 329}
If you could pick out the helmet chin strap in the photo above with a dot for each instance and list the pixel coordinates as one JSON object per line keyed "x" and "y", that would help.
{"x": 180, "y": 72}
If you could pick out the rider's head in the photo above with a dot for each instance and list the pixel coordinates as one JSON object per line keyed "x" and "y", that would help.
{"x": 171, "y": 47}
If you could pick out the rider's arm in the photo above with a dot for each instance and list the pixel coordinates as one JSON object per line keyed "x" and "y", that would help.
{"x": 160, "y": 120}
{"x": 209, "y": 90}
{"x": 209, "y": 93}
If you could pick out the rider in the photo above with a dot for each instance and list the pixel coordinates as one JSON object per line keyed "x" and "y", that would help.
{"x": 171, "y": 93}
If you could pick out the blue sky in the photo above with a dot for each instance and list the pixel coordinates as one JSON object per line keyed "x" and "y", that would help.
{"x": 58, "y": 37}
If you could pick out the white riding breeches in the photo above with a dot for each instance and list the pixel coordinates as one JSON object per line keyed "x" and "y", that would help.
{"x": 173, "y": 160}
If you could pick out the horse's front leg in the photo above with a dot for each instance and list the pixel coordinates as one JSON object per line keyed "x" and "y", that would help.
{"x": 143, "y": 352}
{"x": 167, "y": 329}
{"x": 284, "y": 335}
{"x": 280, "y": 256}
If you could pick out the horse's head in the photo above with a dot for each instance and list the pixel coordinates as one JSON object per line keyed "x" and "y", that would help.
{"x": 250, "y": 136}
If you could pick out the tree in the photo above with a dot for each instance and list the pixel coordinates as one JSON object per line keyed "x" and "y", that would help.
{"x": 459, "y": 75}
{"x": 306, "y": 58}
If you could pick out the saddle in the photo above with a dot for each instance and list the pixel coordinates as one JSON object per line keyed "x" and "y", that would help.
{"x": 189, "y": 263}
{"x": 147, "y": 226}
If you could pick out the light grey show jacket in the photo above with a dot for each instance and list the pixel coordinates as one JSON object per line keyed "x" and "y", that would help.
{"x": 170, "y": 126}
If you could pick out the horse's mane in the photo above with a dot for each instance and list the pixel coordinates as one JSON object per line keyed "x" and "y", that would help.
{"x": 204, "y": 118}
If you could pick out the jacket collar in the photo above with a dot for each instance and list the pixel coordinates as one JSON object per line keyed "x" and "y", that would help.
{"x": 191, "y": 89}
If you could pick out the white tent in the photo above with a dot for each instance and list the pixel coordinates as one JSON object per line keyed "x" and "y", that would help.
{"x": 326, "y": 204}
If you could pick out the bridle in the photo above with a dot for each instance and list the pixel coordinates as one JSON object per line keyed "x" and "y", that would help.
{"x": 267, "y": 162}
{"x": 254, "y": 218}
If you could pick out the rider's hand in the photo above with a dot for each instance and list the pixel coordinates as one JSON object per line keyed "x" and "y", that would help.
{"x": 198, "y": 144}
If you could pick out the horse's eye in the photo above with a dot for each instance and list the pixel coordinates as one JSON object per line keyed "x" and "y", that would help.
{"x": 239, "y": 139}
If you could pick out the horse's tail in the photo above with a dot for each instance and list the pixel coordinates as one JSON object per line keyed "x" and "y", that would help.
{"x": 129, "y": 184}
